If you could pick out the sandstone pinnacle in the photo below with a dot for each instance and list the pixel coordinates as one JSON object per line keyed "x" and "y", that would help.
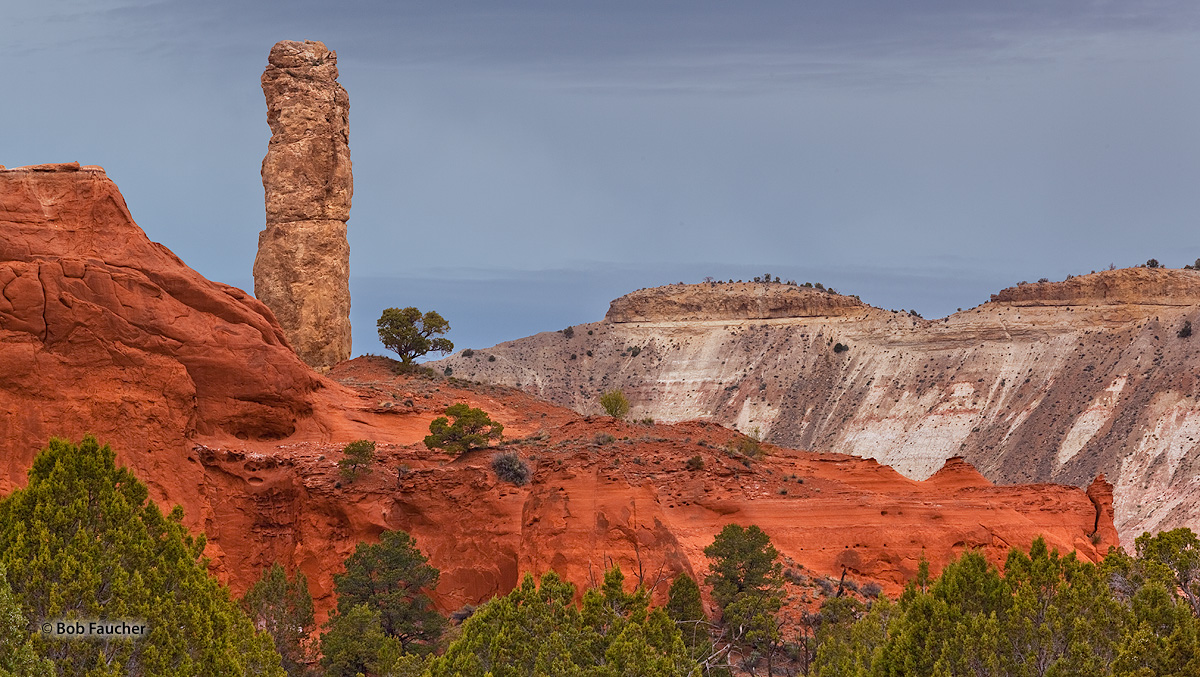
{"x": 302, "y": 272}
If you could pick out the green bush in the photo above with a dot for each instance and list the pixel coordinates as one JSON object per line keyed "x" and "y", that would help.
{"x": 538, "y": 630}
{"x": 748, "y": 447}
{"x": 614, "y": 403}
{"x": 355, "y": 644}
{"x": 695, "y": 463}
{"x": 360, "y": 455}
{"x": 472, "y": 428}
{"x": 284, "y": 610}
{"x": 18, "y": 658}
{"x": 1042, "y": 613}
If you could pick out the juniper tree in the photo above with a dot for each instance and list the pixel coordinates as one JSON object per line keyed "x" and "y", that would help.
{"x": 284, "y": 610}
{"x": 410, "y": 334}
{"x": 355, "y": 644}
{"x": 392, "y": 577}
{"x": 83, "y": 540}
{"x": 471, "y": 428}
{"x": 538, "y": 630}
{"x": 17, "y": 655}
{"x": 1046, "y": 614}
{"x": 746, "y": 579}
{"x": 685, "y": 608}
{"x": 360, "y": 454}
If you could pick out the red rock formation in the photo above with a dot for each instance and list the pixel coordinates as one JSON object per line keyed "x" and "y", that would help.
{"x": 103, "y": 330}
{"x": 1100, "y": 493}
{"x": 957, "y": 474}
{"x": 302, "y": 271}
{"x": 191, "y": 381}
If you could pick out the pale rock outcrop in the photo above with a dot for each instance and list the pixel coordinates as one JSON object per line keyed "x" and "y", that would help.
{"x": 732, "y": 301}
{"x": 302, "y": 272}
{"x": 1129, "y": 286}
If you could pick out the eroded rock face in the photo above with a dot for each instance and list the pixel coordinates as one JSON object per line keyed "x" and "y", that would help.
{"x": 103, "y": 331}
{"x": 302, "y": 272}
{"x": 1127, "y": 286}
{"x": 1055, "y": 381}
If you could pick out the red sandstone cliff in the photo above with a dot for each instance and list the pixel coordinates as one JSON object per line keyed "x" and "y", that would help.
{"x": 103, "y": 330}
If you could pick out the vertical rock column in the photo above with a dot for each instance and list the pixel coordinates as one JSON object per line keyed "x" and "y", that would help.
{"x": 302, "y": 272}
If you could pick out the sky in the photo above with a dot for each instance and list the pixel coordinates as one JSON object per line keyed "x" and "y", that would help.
{"x": 517, "y": 165}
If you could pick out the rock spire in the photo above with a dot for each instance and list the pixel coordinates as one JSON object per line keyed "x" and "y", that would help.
{"x": 302, "y": 272}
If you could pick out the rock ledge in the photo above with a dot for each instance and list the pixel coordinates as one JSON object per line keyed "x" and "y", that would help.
{"x": 732, "y": 301}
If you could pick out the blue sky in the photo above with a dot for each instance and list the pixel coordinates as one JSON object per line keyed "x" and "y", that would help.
{"x": 518, "y": 165}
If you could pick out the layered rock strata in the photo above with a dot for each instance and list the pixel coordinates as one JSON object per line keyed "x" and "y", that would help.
{"x": 302, "y": 272}
{"x": 732, "y": 301}
{"x": 1047, "y": 382}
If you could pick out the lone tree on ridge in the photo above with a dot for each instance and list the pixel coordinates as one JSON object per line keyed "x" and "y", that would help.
{"x": 409, "y": 334}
